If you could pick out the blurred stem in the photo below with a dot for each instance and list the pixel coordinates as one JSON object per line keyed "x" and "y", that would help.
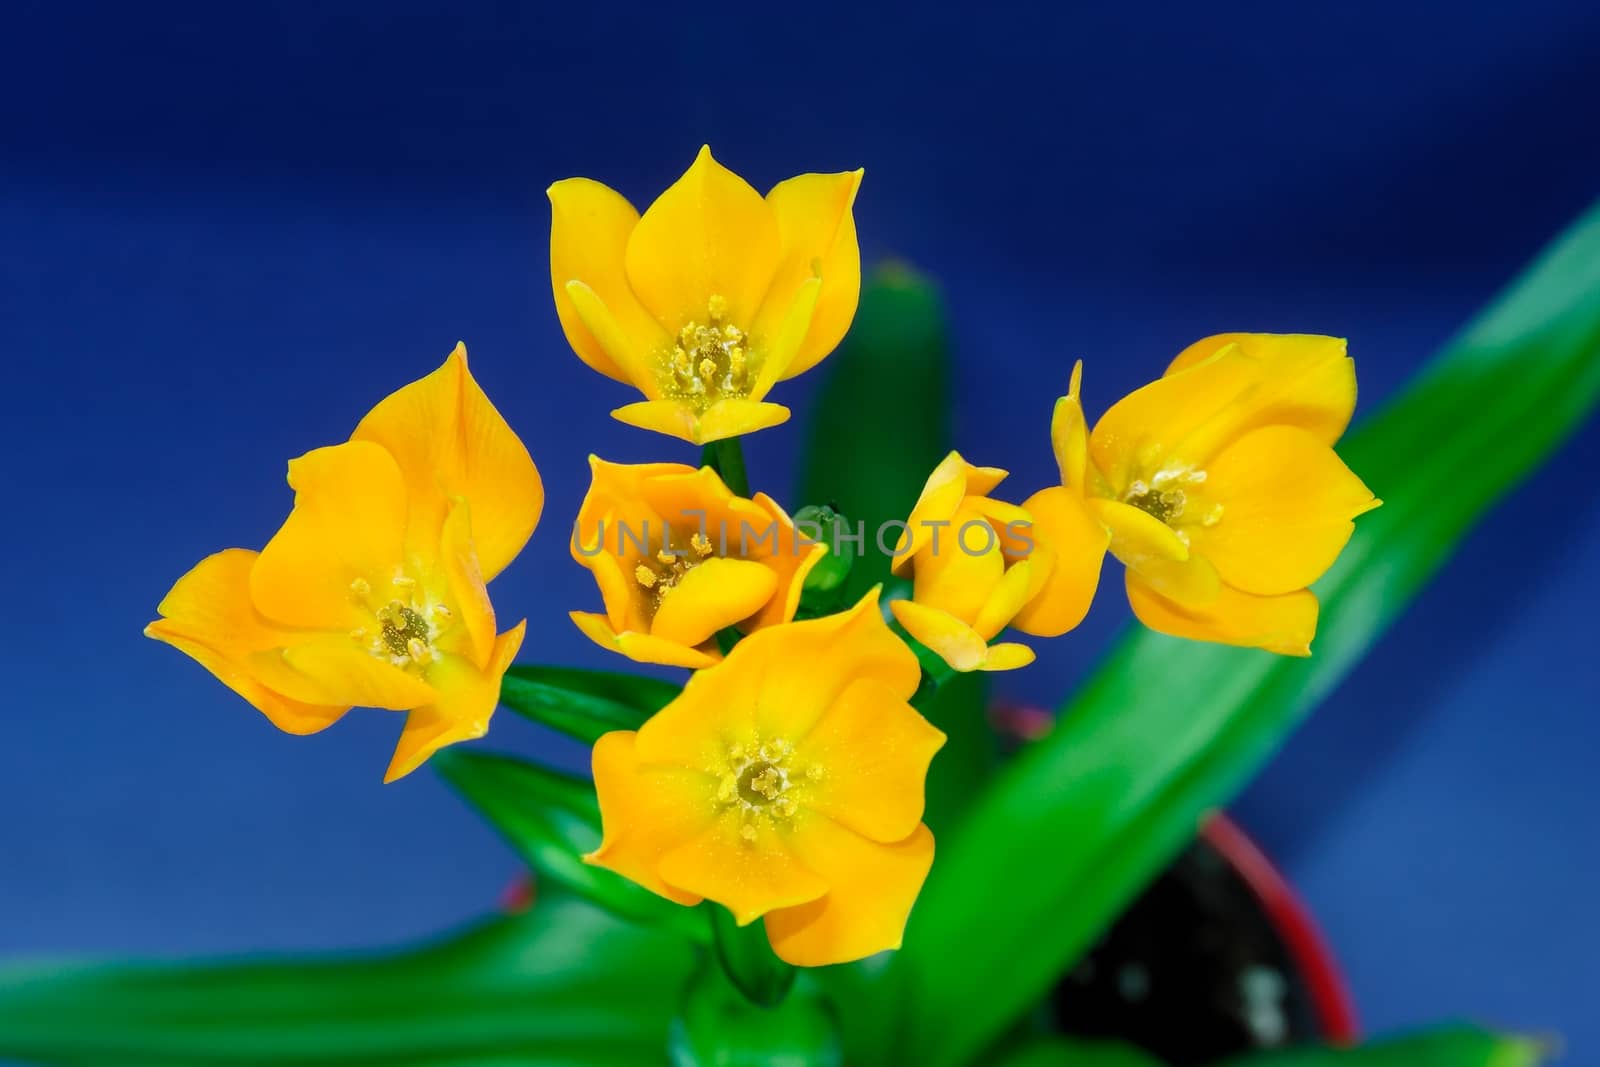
{"x": 726, "y": 457}
{"x": 748, "y": 960}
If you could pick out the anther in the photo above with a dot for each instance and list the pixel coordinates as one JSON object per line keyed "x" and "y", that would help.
{"x": 701, "y": 545}
{"x": 361, "y": 587}
{"x": 418, "y": 650}
{"x": 645, "y": 576}
{"x": 717, "y": 307}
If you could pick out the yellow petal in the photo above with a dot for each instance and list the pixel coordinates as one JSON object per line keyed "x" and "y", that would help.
{"x": 1070, "y": 545}
{"x": 1137, "y": 536}
{"x": 725, "y": 418}
{"x": 1069, "y": 435}
{"x": 209, "y": 617}
{"x": 589, "y": 229}
{"x": 640, "y": 365}
{"x": 749, "y": 877}
{"x": 952, "y": 640}
{"x": 1006, "y": 657}
{"x": 791, "y": 561}
{"x": 777, "y": 683}
{"x": 1287, "y": 501}
{"x": 467, "y": 698}
{"x": 708, "y": 234}
{"x": 646, "y": 811}
{"x": 1282, "y": 624}
{"x": 952, "y": 480}
{"x": 960, "y": 572}
{"x": 465, "y": 584}
{"x": 640, "y": 647}
{"x": 334, "y": 668}
{"x": 715, "y": 594}
{"x": 817, "y": 231}
{"x": 873, "y": 750}
{"x": 348, "y": 523}
{"x": 1244, "y": 381}
{"x": 778, "y": 349}
{"x": 1008, "y": 597}
{"x": 871, "y": 888}
{"x": 449, "y": 441}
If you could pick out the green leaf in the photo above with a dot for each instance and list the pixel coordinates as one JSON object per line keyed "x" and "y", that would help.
{"x": 581, "y": 703}
{"x": 1064, "y": 1052}
{"x": 747, "y": 959}
{"x": 1166, "y": 730}
{"x": 552, "y": 819}
{"x": 563, "y": 985}
{"x": 719, "y": 1027}
{"x": 1457, "y": 1046}
{"x": 882, "y": 422}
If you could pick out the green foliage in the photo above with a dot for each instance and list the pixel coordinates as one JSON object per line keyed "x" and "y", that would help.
{"x": 563, "y": 985}
{"x": 1457, "y": 1046}
{"x": 748, "y": 960}
{"x": 1166, "y": 729}
{"x": 720, "y": 1027}
{"x": 552, "y": 819}
{"x": 581, "y": 703}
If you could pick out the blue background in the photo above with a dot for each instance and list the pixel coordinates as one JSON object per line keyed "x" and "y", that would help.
{"x": 226, "y": 231}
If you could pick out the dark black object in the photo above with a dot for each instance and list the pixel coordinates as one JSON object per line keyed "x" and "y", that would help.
{"x": 1194, "y": 971}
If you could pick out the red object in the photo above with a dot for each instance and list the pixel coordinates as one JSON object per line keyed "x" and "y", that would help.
{"x": 1292, "y": 920}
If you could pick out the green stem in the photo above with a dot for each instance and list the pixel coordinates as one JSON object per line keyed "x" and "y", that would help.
{"x": 726, "y": 457}
{"x": 748, "y": 960}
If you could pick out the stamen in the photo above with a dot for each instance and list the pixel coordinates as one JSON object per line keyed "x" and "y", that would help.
{"x": 701, "y": 545}
{"x": 361, "y": 587}
{"x": 646, "y": 577}
{"x": 708, "y": 361}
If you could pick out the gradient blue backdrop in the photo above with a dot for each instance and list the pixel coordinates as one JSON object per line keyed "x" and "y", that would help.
{"x": 226, "y": 231}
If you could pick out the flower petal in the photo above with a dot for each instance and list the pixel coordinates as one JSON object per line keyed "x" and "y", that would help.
{"x": 952, "y": 480}
{"x": 450, "y": 441}
{"x": 749, "y": 877}
{"x": 646, "y": 811}
{"x": 1069, "y": 435}
{"x": 208, "y": 616}
{"x": 1246, "y": 381}
{"x": 791, "y": 561}
{"x": 725, "y": 418}
{"x": 640, "y": 364}
{"x": 1287, "y": 501}
{"x": 959, "y": 645}
{"x": 708, "y": 234}
{"x": 777, "y": 683}
{"x": 873, "y": 750}
{"x": 1282, "y": 624}
{"x": 871, "y": 889}
{"x": 1137, "y": 536}
{"x": 1007, "y": 598}
{"x": 817, "y": 231}
{"x": 348, "y": 523}
{"x": 960, "y": 571}
{"x": 1006, "y": 657}
{"x": 467, "y": 698}
{"x": 714, "y": 594}
{"x": 464, "y": 583}
{"x": 336, "y": 669}
{"x": 640, "y": 647}
{"x": 1071, "y": 546}
{"x": 590, "y": 224}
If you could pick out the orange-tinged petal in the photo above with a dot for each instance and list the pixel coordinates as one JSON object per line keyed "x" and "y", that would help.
{"x": 960, "y": 572}
{"x": 1283, "y": 624}
{"x": 464, "y": 584}
{"x": 1069, "y": 435}
{"x": 1071, "y": 546}
{"x": 1182, "y": 421}
{"x": 337, "y": 669}
{"x": 1287, "y": 501}
{"x": 641, "y": 647}
{"x": 466, "y": 701}
{"x": 714, "y": 594}
{"x": 749, "y": 876}
{"x": 874, "y": 750}
{"x": 958, "y": 644}
{"x": 449, "y": 441}
{"x": 791, "y": 561}
{"x": 709, "y": 234}
{"x": 952, "y": 480}
{"x": 1008, "y": 597}
{"x": 348, "y": 523}
{"x": 816, "y": 229}
{"x": 589, "y": 229}
{"x": 777, "y": 683}
{"x": 646, "y": 811}
{"x": 209, "y": 617}
{"x": 871, "y": 888}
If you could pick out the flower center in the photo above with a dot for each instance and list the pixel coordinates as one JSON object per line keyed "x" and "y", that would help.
{"x": 760, "y": 782}
{"x": 405, "y": 629}
{"x": 659, "y": 574}
{"x": 1166, "y": 496}
{"x": 710, "y": 360}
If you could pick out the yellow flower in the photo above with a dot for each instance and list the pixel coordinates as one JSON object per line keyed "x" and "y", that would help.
{"x": 971, "y": 560}
{"x": 709, "y": 299}
{"x": 787, "y": 783}
{"x": 1219, "y": 489}
{"x": 679, "y": 558}
{"x": 372, "y": 593}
